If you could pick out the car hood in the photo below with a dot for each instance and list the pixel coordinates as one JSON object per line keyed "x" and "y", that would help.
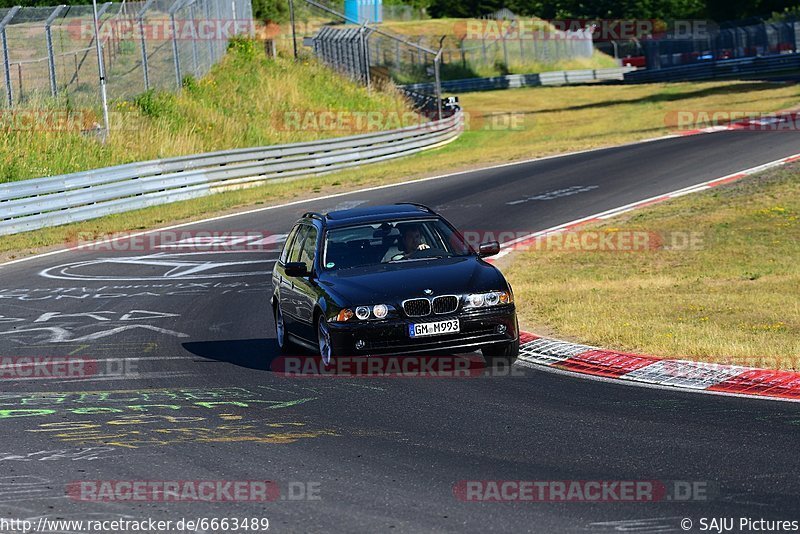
{"x": 392, "y": 283}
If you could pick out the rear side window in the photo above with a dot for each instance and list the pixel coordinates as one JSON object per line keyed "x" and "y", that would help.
{"x": 297, "y": 245}
{"x": 288, "y": 245}
{"x": 308, "y": 248}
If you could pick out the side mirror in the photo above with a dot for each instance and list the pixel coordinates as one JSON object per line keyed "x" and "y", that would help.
{"x": 296, "y": 269}
{"x": 492, "y": 248}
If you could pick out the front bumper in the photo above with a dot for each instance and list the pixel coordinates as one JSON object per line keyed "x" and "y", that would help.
{"x": 479, "y": 328}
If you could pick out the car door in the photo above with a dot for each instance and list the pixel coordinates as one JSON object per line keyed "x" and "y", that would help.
{"x": 306, "y": 290}
{"x": 286, "y": 290}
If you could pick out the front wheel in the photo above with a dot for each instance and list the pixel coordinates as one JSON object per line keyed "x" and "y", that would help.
{"x": 501, "y": 355}
{"x": 324, "y": 340}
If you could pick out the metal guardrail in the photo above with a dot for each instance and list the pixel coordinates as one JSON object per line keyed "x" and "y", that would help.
{"x": 515, "y": 81}
{"x": 748, "y": 67}
{"x": 52, "y": 201}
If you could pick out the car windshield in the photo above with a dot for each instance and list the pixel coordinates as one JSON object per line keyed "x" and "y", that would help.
{"x": 392, "y": 242}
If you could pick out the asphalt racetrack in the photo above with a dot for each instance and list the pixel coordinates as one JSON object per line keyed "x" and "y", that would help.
{"x": 182, "y": 388}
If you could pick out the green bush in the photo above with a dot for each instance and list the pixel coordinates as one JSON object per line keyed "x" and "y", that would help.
{"x": 243, "y": 47}
{"x": 156, "y": 104}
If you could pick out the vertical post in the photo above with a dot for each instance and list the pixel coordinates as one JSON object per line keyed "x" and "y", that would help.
{"x": 6, "y": 65}
{"x": 217, "y": 21}
{"x": 505, "y": 49}
{"x": 437, "y": 62}
{"x": 178, "y": 78}
{"x": 194, "y": 40}
{"x": 51, "y": 61}
{"x": 294, "y": 31}
{"x": 100, "y": 67}
{"x": 145, "y": 66}
{"x": 365, "y": 50}
{"x": 207, "y": 15}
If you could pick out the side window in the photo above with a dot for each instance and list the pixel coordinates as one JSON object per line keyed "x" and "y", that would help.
{"x": 294, "y": 250}
{"x": 288, "y": 244}
{"x": 308, "y": 250}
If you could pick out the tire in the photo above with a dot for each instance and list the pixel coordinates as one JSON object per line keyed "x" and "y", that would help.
{"x": 280, "y": 331}
{"x": 501, "y": 355}
{"x": 324, "y": 347}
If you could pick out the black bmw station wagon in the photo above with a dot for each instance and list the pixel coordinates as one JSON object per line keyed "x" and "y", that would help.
{"x": 393, "y": 279}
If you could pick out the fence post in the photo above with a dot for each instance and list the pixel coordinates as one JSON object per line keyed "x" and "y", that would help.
{"x": 505, "y": 48}
{"x": 6, "y": 65}
{"x": 194, "y": 40}
{"x": 364, "y": 38}
{"x": 294, "y": 32}
{"x": 175, "y": 6}
{"x": 217, "y": 19}
{"x": 51, "y": 61}
{"x": 437, "y": 76}
{"x": 145, "y": 67}
{"x": 100, "y": 65}
{"x": 207, "y": 15}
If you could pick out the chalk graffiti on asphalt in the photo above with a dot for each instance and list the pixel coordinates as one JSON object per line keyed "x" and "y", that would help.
{"x": 131, "y": 291}
{"x": 171, "y": 266}
{"x": 59, "y": 327}
{"x": 74, "y": 455}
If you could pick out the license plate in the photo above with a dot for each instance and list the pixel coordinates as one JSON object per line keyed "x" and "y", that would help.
{"x": 449, "y": 326}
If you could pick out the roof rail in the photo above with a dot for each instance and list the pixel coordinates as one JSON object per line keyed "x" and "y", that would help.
{"x": 314, "y": 215}
{"x": 417, "y": 204}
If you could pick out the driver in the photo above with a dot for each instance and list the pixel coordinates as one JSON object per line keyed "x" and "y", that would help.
{"x": 410, "y": 239}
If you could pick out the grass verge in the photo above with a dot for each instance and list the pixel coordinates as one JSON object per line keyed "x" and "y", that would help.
{"x": 242, "y": 102}
{"x": 504, "y": 126}
{"x": 725, "y": 292}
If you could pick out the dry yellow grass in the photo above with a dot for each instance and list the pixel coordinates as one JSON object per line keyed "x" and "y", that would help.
{"x": 730, "y": 298}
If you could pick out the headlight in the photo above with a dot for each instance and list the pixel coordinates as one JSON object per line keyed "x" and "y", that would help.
{"x": 476, "y": 301}
{"x": 492, "y": 298}
{"x": 378, "y": 311}
{"x": 344, "y": 315}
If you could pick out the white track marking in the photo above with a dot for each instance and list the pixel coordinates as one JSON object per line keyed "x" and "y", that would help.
{"x": 337, "y": 195}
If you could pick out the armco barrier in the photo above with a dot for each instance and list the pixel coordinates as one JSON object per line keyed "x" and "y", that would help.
{"x": 748, "y": 67}
{"x": 43, "y": 202}
{"x": 515, "y": 81}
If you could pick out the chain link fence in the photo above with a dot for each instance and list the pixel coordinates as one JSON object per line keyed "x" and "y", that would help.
{"x": 370, "y": 54}
{"x": 51, "y": 51}
{"x": 708, "y": 42}
{"x": 356, "y": 48}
